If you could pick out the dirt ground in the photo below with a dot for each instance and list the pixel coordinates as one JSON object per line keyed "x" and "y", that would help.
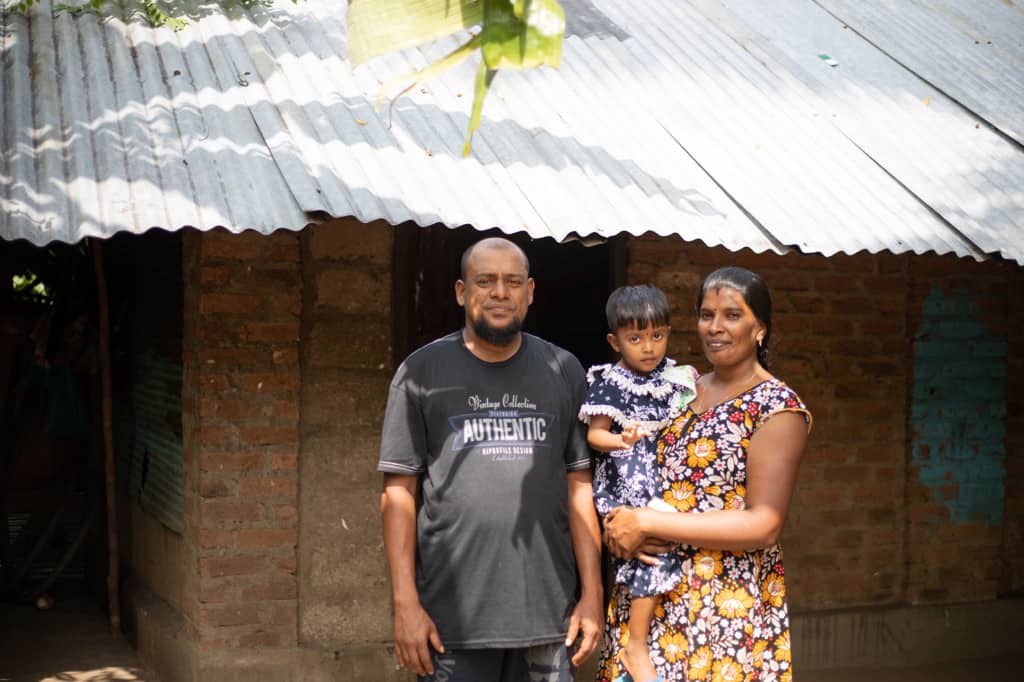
{"x": 71, "y": 643}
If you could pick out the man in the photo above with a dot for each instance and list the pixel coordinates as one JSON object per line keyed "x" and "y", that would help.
{"x": 487, "y": 504}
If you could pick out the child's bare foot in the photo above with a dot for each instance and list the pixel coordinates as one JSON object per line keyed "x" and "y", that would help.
{"x": 637, "y": 660}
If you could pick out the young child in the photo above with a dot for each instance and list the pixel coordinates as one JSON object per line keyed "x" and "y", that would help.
{"x": 627, "y": 404}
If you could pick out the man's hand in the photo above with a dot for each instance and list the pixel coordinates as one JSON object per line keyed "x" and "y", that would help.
{"x": 415, "y": 633}
{"x": 587, "y": 616}
{"x": 586, "y": 622}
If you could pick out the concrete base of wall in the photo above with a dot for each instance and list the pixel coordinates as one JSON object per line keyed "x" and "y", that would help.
{"x": 908, "y": 636}
{"x": 841, "y": 640}
{"x": 370, "y": 662}
{"x": 161, "y": 638}
{"x": 270, "y": 665}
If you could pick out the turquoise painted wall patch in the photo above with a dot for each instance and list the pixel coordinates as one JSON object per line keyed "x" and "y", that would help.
{"x": 958, "y": 413}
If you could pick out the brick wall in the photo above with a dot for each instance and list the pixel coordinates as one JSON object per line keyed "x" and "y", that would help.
{"x": 346, "y": 368}
{"x": 870, "y": 524}
{"x": 243, "y": 299}
{"x": 278, "y": 429}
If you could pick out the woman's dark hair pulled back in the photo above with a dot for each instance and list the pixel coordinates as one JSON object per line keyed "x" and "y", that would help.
{"x": 755, "y": 294}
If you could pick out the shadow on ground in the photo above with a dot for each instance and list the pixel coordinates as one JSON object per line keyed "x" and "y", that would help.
{"x": 70, "y": 643}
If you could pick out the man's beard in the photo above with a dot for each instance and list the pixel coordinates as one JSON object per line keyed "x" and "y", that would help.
{"x": 495, "y": 336}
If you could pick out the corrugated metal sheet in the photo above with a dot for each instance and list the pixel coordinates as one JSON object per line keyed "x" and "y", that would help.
{"x": 968, "y": 174}
{"x": 712, "y": 119}
{"x": 111, "y": 126}
{"x": 973, "y": 50}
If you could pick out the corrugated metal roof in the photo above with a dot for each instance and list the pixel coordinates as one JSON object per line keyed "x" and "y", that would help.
{"x": 713, "y": 119}
{"x": 111, "y": 126}
{"x": 973, "y": 50}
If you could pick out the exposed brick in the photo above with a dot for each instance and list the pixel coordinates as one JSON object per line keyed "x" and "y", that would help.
{"x": 230, "y": 461}
{"x": 219, "y": 303}
{"x": 269, "y": 382}
{"x": 273, "y": 591}
{"x": 213, "y": 435}
{"x": 284, "y": 462}
{"x": 217, "y": 487}
{"x": 217, "y": 616}
{"x": 283, "y": 615}
{"x": 247, "y": 358}
{"x": 285, "y": 357}
{"x": 214, "y": 274}
{"x": 284, "y": 512}
{"x": 219, "y": 511}
{"x": 211, "y": 538}
{"x": 209, "y": 644}
{"x": 238, "y": 565}
{"x": 214, "y": 593}
{"x": 266, "y": 538}
{"x": 267, "y": 639}
{"x": 274, "y": 332}
{"x": 230, "y": 409}
{"x": 351, "y": 240}
{"x": 353, "y": 291}
{"x": 268, "y": 435}
{"x": 275, "y": 486}
{"x": 285, "y": 304}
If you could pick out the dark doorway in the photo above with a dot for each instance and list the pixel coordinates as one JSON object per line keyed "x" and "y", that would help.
{"x": 573, "y": 283}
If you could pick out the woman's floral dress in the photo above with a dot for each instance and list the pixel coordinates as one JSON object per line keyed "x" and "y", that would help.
{"x": 727, "y": 620}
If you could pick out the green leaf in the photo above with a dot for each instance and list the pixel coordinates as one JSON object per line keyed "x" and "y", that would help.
{"x": 435, "y": 69}
{"x": 376, "y": 27}
{"x": 510, "y": 42}
{"x": 484, "y": 77}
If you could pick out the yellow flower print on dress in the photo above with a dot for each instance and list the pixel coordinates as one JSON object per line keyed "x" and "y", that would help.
{"x": 733, "y": 603}
{"x": 736, "y": 499}
{"x": 680, "y": 495}
{"x": 609, "y": 671}
{"x": 773, "y": 590}
{"x": 699, "y": 664}
{"x": 757, "y": 654}
{"x": 707, "y": 563}
{"x": 726, "y": 670}
{"x": 701, "y": 453}
{"x": 673, "y": 645}
{"x": 696, "y": 601}
{"x": 782, "y": 650}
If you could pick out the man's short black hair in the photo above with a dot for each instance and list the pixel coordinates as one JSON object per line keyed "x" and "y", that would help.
{"x": 639, "y": 306}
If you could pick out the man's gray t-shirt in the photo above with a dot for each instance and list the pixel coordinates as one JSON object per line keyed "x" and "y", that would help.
{"x": 492, "y": 443}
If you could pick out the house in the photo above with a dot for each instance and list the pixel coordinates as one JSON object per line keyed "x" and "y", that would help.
{"x": 308, "y": 242}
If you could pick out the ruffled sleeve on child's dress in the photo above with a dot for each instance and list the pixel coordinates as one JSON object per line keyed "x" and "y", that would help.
{"x": 626, "y": 397}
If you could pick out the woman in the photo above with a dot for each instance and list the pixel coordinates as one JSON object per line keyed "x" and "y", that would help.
{"x": 733, "y": 451}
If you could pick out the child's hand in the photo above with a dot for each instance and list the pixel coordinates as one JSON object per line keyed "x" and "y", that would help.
{"x": 631, "y": 434}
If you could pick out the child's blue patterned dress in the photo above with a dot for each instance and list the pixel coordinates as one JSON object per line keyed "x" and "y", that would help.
{"x": 630, "y": 477}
